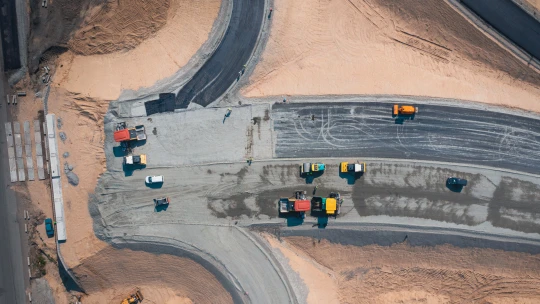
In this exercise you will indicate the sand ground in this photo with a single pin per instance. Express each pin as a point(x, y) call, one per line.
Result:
point(104, 76)
point(112, 274)
point(405, 274)
point(387, 47)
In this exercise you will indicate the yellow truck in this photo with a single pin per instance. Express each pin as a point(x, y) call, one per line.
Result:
point(404, 110)
point(345, 167)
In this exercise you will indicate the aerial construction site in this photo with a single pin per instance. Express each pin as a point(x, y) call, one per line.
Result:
point(270, 151)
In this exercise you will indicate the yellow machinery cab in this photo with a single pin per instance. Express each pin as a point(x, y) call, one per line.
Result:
point(331, 205)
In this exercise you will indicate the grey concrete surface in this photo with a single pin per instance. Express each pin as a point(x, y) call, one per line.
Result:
point(222, 69)
point(12, 273)
point(437, 132)
point(194, 137)
point(41, 292)
point(213, 205)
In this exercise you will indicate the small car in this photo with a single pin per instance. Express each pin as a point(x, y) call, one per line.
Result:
point(154, 179)
point(49, 228)
point(456, 181)
point(161, 201)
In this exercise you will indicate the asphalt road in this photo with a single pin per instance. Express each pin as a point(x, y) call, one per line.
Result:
point(511, 21)
point(12, 283)
point(221, 70)
point(437, 133)
point(8, 34)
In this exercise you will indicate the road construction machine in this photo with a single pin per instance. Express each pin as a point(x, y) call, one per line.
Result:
point(135, 159)
point(123, 133)
point(298, 204)
point(329, 205)
point(345, 167)
point(404, 110)
point(310, 168)
point(162, 201)
point(135, 297)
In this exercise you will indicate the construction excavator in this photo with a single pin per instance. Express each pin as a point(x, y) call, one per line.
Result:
point(135, 298)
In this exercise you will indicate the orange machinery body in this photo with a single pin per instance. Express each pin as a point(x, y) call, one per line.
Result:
point(404, 110)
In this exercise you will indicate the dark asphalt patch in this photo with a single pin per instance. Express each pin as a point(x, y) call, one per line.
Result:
point(511, 21)
point(165, 103)
point(9, 35)
point(438, 133)
point(383, 235)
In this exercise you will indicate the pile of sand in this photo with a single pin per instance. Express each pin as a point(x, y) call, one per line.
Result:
point(112, 274)
point(387, 47)
point(119, 26)
point(405, 274)
point(188, 24)
point(82, 122)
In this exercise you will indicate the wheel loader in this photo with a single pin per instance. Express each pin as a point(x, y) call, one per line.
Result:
point(135, 298)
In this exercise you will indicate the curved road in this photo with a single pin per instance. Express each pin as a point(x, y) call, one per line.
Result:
point(437, 133)
point(511, 21)
point(221, 70)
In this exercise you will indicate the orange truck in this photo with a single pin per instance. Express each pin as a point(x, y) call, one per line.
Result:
point(404, 110)
point(123, 133)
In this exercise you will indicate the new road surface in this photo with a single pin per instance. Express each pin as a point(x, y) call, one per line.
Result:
point(511, 21)
point(12, 284)
point(223, 68)
point(436, 133)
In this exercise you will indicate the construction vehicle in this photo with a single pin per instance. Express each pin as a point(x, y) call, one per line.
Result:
point(345, 167)
point(310, 168)
point(162, 201)
point(404, 110)
point(135, 298)
point(297, 204)
point(135, 159)
point(330, 205)
point(123, 133)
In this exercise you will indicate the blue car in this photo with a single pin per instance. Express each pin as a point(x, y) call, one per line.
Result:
point(49, 228)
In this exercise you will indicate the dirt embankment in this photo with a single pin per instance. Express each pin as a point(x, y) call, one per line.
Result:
point(387, 47)
point(121, 56)
point(405, 274)
point(118, 26)
point(111, 274)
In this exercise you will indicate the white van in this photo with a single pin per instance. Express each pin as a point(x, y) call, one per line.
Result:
point(154, 179)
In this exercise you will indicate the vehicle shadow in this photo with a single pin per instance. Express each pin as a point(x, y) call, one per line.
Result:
point(161, 208)
point(129, 169)
point(455, 188)
point(351, 177)
point(309, 177)
point(293, 218)
point(118, 151)
point(154, 185)
point(322, 219)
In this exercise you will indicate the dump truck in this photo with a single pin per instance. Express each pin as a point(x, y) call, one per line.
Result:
point(345, 167)
point(329, 205)
point(310, 168)
point(123, 133)
point(297, 204)
point(135, 297)
point(135, 159)
point(404, 110)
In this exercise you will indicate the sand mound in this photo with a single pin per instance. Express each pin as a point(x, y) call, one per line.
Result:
point(104, 76)
point(119, 26)
point(112, 273)
point(387, 47)
point(439, 274)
